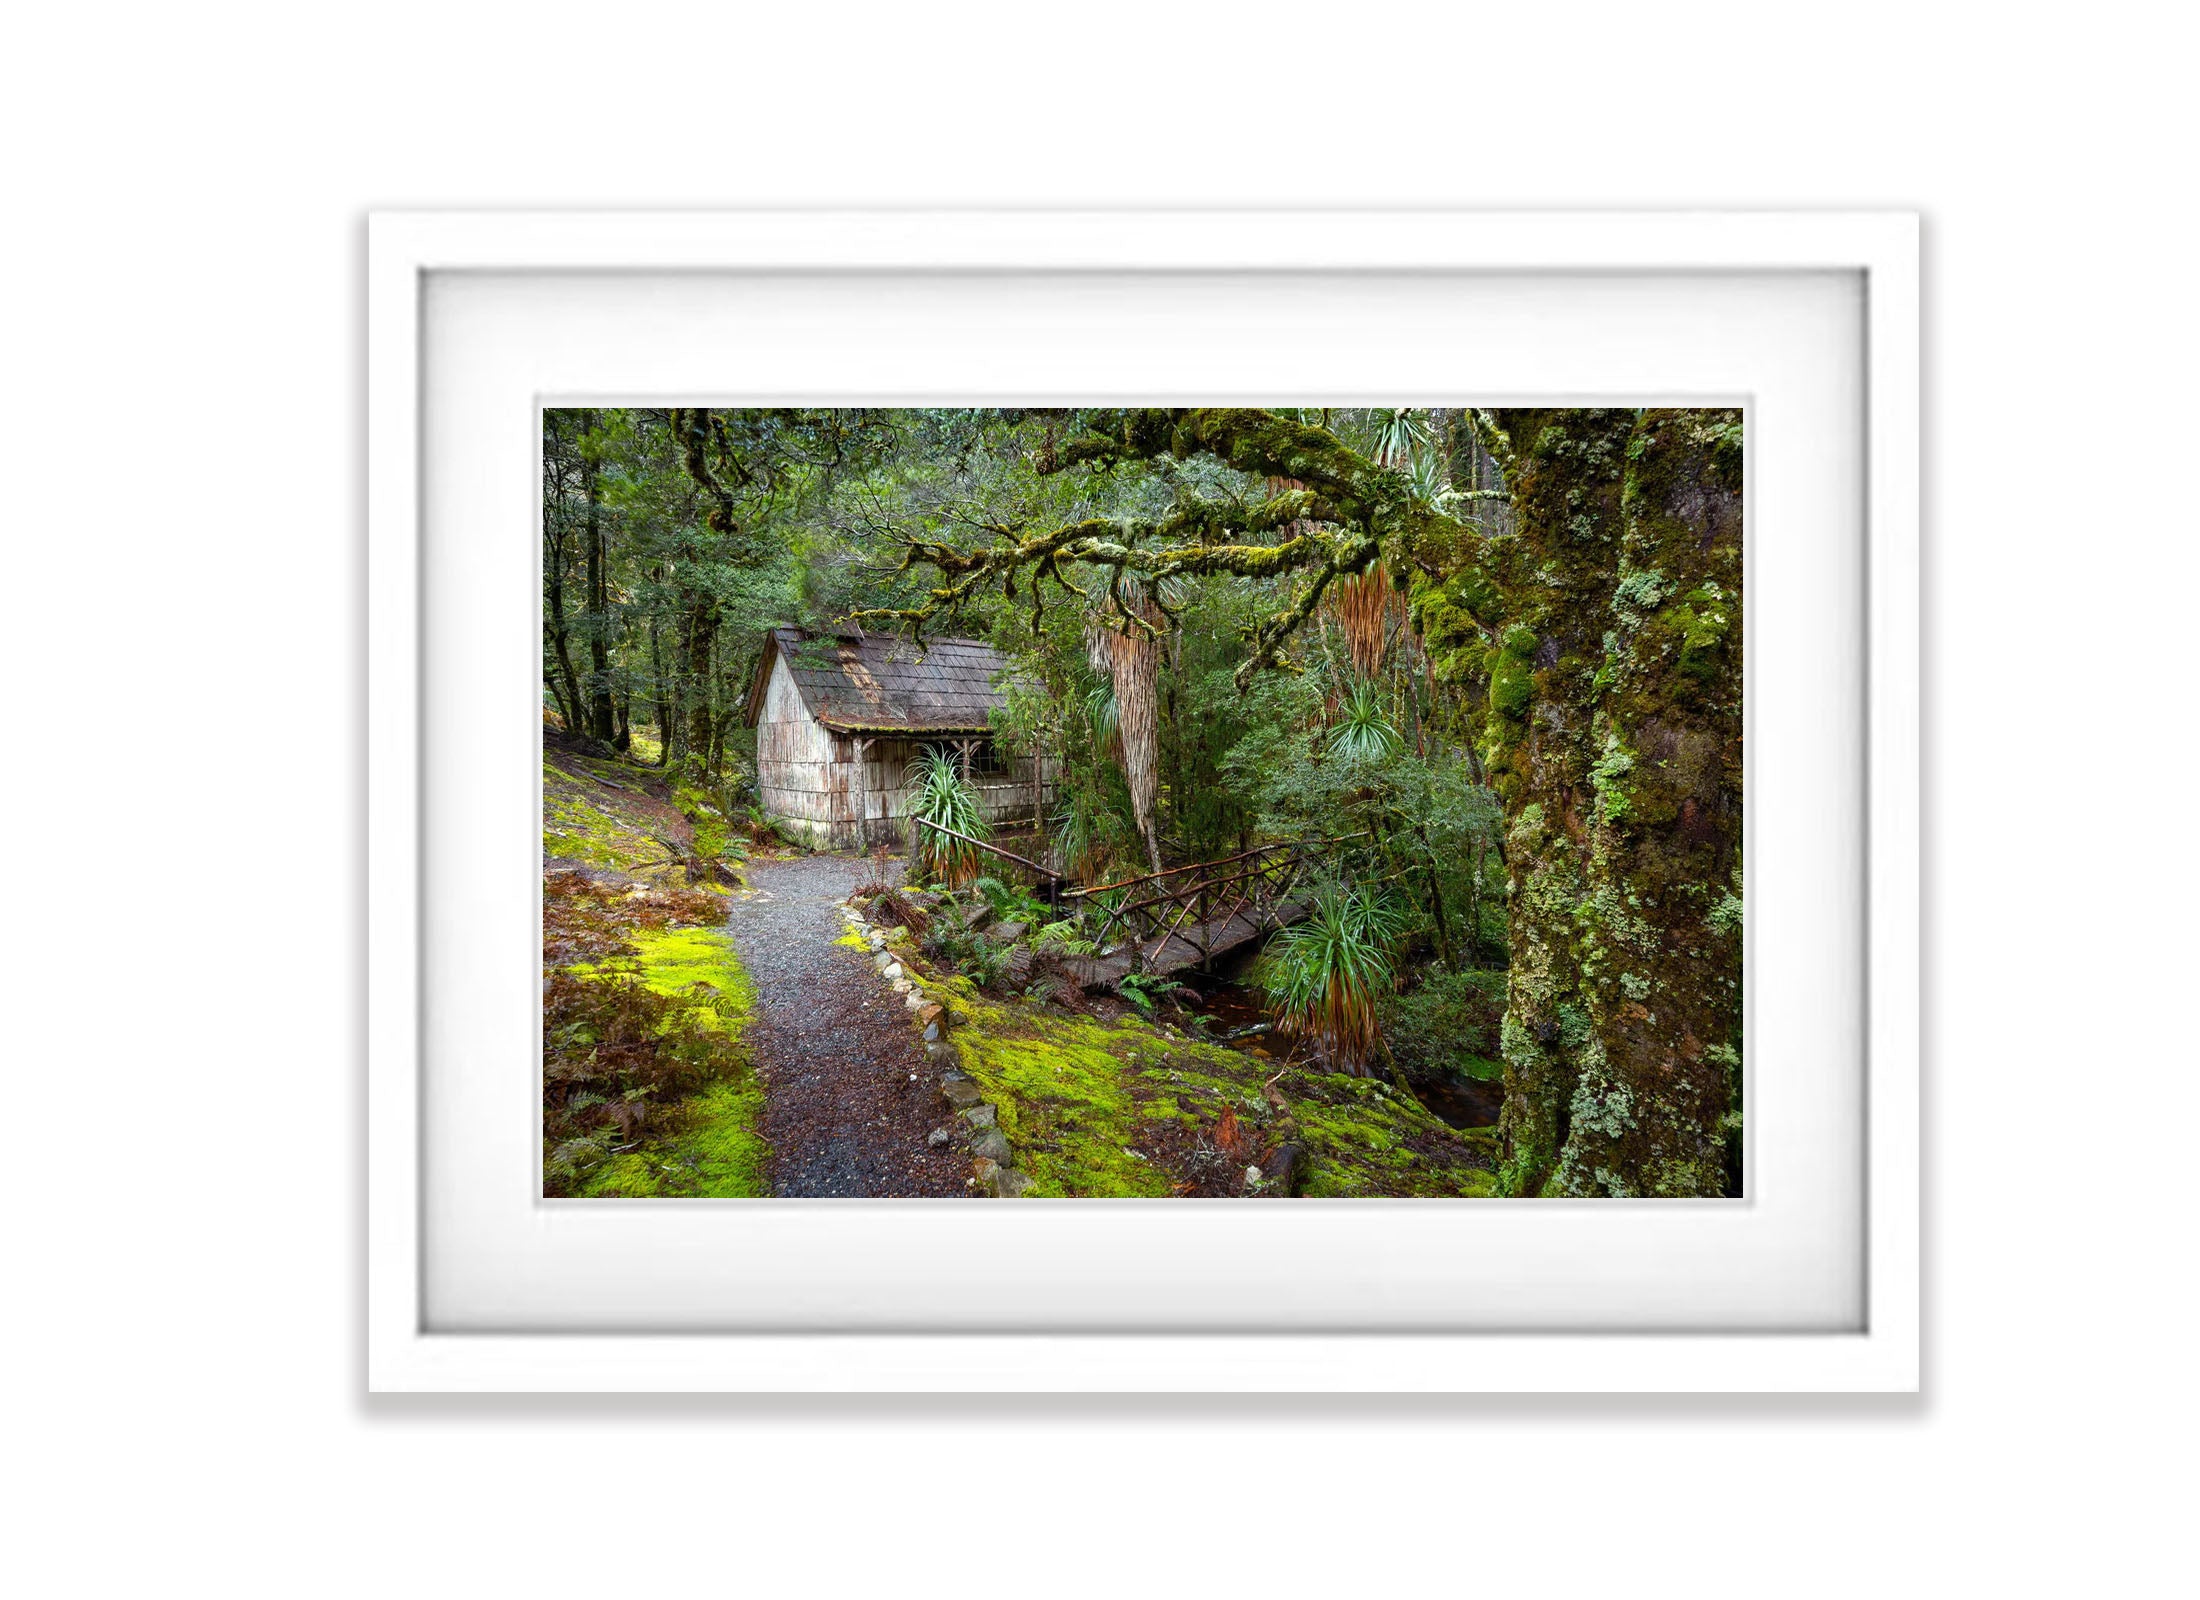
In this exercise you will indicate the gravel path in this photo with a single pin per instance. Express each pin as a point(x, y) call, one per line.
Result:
point(848, 1099)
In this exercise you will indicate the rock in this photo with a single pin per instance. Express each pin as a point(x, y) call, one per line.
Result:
point(1009, 1184)
point(1285, 1167)
point(961, 1093)
point(980, 915)
point(882, 961)
point(931, 1011)
point(985, 1171)
point(981, 1116)
point(931, 1033)
point(992, 1146)
point(937, 1137)
point(914, 1000)
point(1252, 1177)
point(579, 1154)
point(960, 1019)
point(901, 986)
point(892, 969)
point(935, 1051)
point(1009, 932)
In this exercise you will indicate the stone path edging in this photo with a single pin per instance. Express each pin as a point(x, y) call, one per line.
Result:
point(992, 1171)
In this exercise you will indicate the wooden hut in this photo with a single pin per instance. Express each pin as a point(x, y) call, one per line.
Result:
point(840, 720)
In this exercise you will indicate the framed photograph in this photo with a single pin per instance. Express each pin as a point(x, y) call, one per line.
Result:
point(1143, 801)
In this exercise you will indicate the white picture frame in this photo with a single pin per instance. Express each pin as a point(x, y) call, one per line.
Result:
point(407, 1351)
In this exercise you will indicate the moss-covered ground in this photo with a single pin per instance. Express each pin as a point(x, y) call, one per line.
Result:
point(608, 814)
point(1130, 1108)
point(649, 1089)
point(702, 1104)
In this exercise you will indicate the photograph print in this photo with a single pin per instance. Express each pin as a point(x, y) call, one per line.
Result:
point(1140, 803)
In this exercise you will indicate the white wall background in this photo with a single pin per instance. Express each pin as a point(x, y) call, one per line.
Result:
point(181, 398)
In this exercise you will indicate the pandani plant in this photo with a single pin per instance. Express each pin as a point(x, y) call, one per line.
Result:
point(939, 794)
point(1362, 731)
point(1393, 435)
point(1326, 976)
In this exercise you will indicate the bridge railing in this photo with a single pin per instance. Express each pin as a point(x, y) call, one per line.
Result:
point(1192, 901)
point(1195, 900)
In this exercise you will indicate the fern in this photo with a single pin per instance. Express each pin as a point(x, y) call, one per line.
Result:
point(1065, 938)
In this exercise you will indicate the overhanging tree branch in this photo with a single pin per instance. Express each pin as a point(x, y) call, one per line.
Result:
point(1344, 513)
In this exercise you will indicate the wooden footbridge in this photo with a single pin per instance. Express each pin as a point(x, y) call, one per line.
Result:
point(1164, 922)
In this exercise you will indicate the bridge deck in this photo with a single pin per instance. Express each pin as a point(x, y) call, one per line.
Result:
point(1186, 947)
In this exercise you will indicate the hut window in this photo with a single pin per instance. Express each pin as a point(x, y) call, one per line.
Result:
point(985, 760)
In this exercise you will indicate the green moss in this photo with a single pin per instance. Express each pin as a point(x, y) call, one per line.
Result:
point(628, 1176)
point(717, 1153)
point(853, 940)
point(712, 1146)
point(587, 819)
point(1512, 676)
point(1102, 1109)
point(723, 1152)
point(1371, 1139)
point(1702, 620)
point(1071, 1099)
point(673, 960)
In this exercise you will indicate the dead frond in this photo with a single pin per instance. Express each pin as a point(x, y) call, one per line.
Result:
point(1364, 606)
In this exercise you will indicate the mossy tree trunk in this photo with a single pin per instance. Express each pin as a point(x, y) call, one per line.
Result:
point(1613, 736)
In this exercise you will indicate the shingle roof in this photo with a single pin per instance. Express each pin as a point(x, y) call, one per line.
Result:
point(885, 684)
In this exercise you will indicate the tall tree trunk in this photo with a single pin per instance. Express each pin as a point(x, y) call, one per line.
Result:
point(1614, 739)
point(1436, 904)
point(701, 632)
point(567, 686)
point(557, 693)
point(601, 721)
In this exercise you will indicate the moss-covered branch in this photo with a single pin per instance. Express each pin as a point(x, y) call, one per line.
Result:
point(1341, 515)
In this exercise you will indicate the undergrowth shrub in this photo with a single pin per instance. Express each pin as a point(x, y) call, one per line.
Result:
point(1447, 1024)
point(613, 1045)
point(949, 939)
point(1011, 902)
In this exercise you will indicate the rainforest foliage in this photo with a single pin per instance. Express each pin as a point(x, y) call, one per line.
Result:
point(1487, 663)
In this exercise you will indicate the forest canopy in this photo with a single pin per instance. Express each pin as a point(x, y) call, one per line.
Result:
point(1487, 662)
